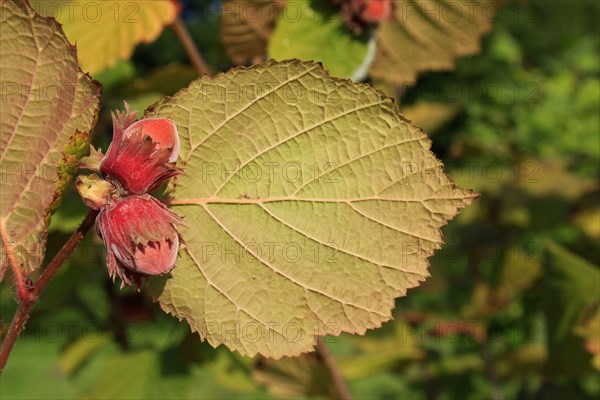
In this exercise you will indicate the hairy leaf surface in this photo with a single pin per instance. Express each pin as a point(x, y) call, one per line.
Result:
point(47, 111)
point(311, 203)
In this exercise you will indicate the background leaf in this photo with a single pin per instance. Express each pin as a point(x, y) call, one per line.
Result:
point(416, 39)
point(295, 376)
point(108, 31)
point(572, 284)
point(246, 26)
point(33, 362)
point(47, 114)
point(311, 205)
point(313, 30)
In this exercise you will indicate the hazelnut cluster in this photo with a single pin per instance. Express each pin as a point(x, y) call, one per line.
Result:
point(139, 232)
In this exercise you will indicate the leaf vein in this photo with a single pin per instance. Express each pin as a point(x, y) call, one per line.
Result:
point(251, 103)
point(224, 294)
point(290, 278)
point(337, 167)
point(390, 226)
point(348, 252)
point(321, 123)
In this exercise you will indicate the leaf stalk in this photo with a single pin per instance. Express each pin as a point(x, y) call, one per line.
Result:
point(188, 44)
point(29, 301)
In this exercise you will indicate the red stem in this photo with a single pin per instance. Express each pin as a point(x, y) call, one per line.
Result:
point(18, 275)
point(343, 393)
point(187, 42)
point(26, 304)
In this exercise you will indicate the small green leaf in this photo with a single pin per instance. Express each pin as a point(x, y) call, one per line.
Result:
point(319, 34)
point(126, 376)
point(572, 284)
point(304, 376)
point(311, 204)
point(33, 362)
point(78, 352)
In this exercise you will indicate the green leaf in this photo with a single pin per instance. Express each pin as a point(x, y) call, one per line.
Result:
point(48, 110)
point(167, 80)
point(521, 268)
point(311, 205)
point(246, 26)
point(571, 285)
point(380, 351)
point(127, 376)
point(304, 376)
point(33, 364)
point(108, 31)
point(78, 352)
point(313, 30)
point(430, 116)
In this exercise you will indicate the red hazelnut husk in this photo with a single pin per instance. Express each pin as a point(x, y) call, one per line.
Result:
point(139, 232)
point(359, 15)
point(141, 237)
point(142, 154)
point(373, 11)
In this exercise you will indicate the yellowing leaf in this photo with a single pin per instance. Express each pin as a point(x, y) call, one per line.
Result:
point(429, 36)
point(246, 26)
point(311, 203)
point(107, 31)
point(298, 377)
point(589, 221)
point(430, 116)
point(521, 268)
point(47, 111)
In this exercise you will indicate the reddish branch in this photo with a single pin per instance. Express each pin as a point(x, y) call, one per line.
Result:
point(190, 48)
point(18, 275)
point(30, 299)
point(343, 393)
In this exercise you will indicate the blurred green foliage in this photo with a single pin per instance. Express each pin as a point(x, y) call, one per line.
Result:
point(498, 317)
point(308, 38)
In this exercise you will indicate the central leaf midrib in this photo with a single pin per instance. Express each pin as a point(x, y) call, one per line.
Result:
point(208, 200)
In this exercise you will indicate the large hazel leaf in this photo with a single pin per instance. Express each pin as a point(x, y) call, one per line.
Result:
point(47, 111)
point(108, 31)
point(311, 204)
